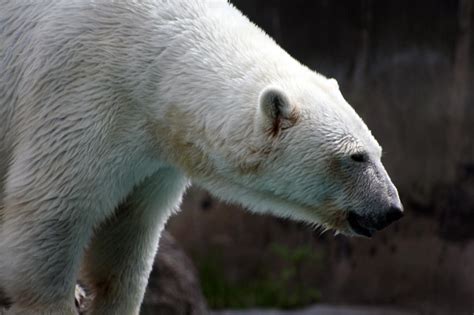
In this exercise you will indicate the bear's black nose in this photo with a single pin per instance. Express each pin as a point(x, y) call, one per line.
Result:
point(367, 224)
point(388, 216)
point(394, 213)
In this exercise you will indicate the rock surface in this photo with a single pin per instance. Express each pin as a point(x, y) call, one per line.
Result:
point(173, 288)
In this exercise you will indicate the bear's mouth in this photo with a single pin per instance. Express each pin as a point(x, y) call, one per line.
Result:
point(357, 226)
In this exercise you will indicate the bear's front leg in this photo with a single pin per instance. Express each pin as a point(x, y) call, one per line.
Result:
point(118, 263)
point(64, 179)
point(45, 227)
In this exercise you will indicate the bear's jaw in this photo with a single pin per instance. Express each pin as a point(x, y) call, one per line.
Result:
point(326, 216)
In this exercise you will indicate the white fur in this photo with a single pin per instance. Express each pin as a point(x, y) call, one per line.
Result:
point(109, 107)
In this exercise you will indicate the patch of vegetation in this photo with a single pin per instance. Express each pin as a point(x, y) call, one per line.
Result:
point(280, 288)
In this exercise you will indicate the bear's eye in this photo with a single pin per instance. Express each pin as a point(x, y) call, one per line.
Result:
point(360, 157)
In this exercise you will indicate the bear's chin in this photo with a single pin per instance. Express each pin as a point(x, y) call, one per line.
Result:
point(325, 217)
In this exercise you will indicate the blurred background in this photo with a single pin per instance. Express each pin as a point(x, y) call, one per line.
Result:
point(407, 68)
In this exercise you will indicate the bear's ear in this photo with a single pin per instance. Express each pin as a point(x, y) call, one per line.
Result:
point(277, 108)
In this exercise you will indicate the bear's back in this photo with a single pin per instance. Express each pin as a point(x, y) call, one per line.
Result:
point(50, 45)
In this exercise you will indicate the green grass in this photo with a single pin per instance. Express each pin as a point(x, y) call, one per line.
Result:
point(279, 289)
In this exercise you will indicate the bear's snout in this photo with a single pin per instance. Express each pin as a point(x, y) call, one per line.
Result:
point(368, 224)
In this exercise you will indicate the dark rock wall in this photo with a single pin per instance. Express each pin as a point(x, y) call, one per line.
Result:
point(407, 68)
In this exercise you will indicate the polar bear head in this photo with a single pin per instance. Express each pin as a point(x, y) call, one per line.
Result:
point(323, 160)
point(301, 152)
point(304, 154)
point(287, 144)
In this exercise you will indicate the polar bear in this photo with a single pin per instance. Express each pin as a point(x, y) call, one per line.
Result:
point(110, 108)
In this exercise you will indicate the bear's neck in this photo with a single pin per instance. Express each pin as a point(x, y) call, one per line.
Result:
point(213, 66)
point(207, 71)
